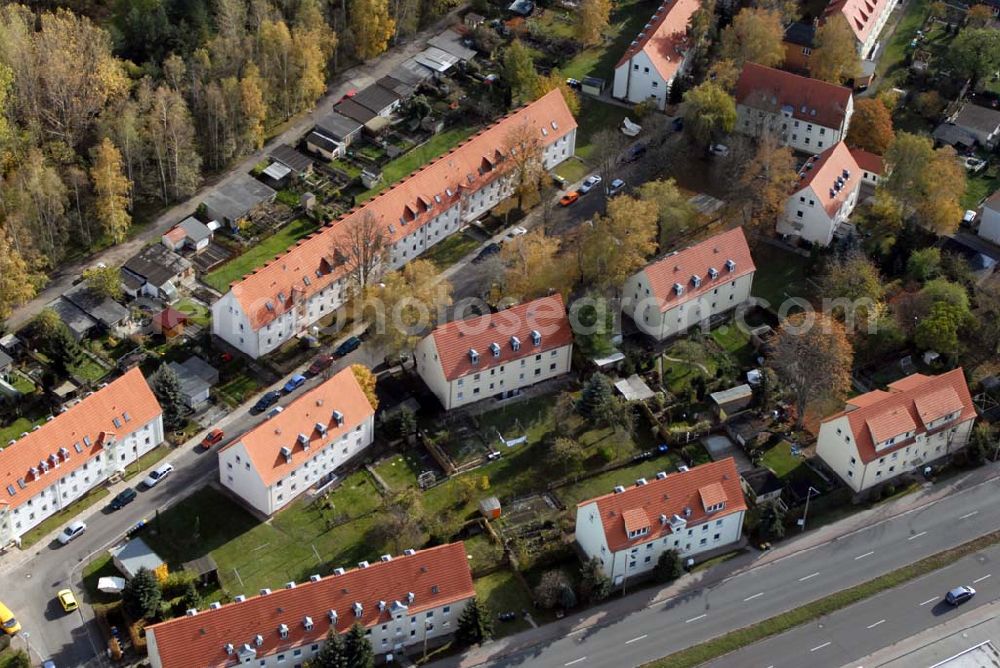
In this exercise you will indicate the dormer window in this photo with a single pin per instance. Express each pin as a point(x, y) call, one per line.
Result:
point(473, 356)
point(713, 272)
point(308, 623)
point(338, 418)
point(715, 507)
point(515, 343)
point(536, 337)
point(641, 531)
point(358, 609)
point(287, 454)
point(696, 281)
point(495, 349)
point(678, 289)
point(283, 631)
point(730, 265)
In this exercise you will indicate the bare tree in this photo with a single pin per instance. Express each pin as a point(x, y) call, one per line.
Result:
point(610, 143)
point(361, 246)
point(523, 159)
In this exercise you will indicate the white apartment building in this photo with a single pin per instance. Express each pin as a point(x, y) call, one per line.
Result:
point(401, 601)
point(866, 19)
point(497, 354)
point(657, 56)
point(806, 114)
point(824, 198)
point(692, 512)
point(883, 434)
point(989, 223)
point(690, 286)
point(300, 448)
point(59, 461)
point(268, 307)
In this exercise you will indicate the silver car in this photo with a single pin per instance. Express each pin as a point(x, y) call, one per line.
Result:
point(71, 532)
point(157, 474)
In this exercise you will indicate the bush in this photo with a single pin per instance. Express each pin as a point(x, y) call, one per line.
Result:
point(669, 566)
point(554, 589)
point(176, 584)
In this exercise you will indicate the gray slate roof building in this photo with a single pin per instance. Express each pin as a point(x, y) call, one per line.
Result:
point(410, 71)
point(946, 133)
point(354, 111)
point(399, 88)
point(801, 34)
point(195, 230)
point(321, 141)
point(103, 309)
point(233, 200)
point(6, 361)
point(289, 157)
point(451, 42)
point(196, 378)
point(338, 127)
point(976, 118)
point(157, 265)
point(79, 323)
point(436, 60)
point(133, 555)
point(378, 99)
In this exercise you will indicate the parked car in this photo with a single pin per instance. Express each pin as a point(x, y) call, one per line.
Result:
point(678, 124)
point(348, 346)
point(720, 150)
point(72, 532)
point(320, 364)
point(294, 383)
point(574, 83)
point(617, 186)
point(123, 498)
point(491, 249)
point(959, 595)
point(569, 198)
point(8, 622)
point(157, 474)
point(266, 400)
point(213, 437)
point(635, 152)
point(590, 183)
point(67, 600)
point(274, 411)
point(515, 232)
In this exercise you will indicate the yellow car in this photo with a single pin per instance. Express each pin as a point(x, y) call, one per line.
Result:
point(67, 600)
point(8, 623)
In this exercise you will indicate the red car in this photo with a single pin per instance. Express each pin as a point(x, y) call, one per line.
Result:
point(319, 365)
point(213, 437)
point(349, 94)
point(569, 198)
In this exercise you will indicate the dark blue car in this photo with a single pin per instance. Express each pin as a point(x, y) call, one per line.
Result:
point(265, 402)
point(348, 346)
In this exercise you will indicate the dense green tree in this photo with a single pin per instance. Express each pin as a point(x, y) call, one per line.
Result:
point(518, 69)
point(669, 566)
point(54, 340)
point(357, 649)
point(708, 111)
point(141, 595)
point(924, 264)
point(597, 391)
point(475, 626)
point(167, 388)
point(975, 53)
point(331, 655)
point(938, 330)
point(595, 586)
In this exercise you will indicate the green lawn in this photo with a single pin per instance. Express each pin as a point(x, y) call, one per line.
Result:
point(63, 516)
point(553, 23)
point(195, 311)
point(19, 426)
point(451, 250)
point(88, 369)
point(257, 256)
point(99, 568)
point(504, 592)
point(605, 483)
point(483, 551)
point(627, 19)
point(981, 186)
point(21, 383)
point(780, 274)
point(593, 117)
point(400, 471)
point(349, 168)
point(238, 389)
point(895, 50)
point(403, 166)
point(781, 460)
point(572, 170)
point(735, 341)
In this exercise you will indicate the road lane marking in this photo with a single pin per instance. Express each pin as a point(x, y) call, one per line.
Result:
point(809, 576)
point(871, 626)
point(968, 515)
point(694, 619)
point(917, 535)
point(821, 646)
point(930, 600)
point(574, 661)
point(750, 598)
point(866, 554)
point(982, 578)
point(629, 642)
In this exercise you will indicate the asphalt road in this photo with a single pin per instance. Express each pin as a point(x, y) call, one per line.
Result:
point(29, 589)
point(847, 636)
point(699, 613)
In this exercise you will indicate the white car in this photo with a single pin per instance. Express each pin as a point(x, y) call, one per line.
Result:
point(719, 149)
point(589, 184)
point(616, 187)
point(515, 232)
point(157, 474)
point(74, 530)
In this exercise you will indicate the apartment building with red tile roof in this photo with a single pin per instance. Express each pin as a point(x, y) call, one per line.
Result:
point(693, 511)
point(401, 601)
point(657, 56)
point(59, 461)
point(806, 114)
point(496, 354)
point(872, 166)
point(824, 197)
point(268, 307)
point(690, 286)
point(883, 434)
point(299, 448)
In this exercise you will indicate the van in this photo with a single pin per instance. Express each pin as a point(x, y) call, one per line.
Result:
point(7, 621)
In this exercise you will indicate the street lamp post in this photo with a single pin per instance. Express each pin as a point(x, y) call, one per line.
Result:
point(805, 512)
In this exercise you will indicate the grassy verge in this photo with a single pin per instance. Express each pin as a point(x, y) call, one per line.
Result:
point(780, 274)
point(895, 50)
point(257, 256)
point(503, 592)
point(63, 516)
point(734, 640)
point(572, 170)
point(593, 117)
point(980, 186)
point(451, 250)
point(19, 426)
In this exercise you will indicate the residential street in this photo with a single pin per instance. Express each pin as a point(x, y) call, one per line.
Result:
point(651, 624)
point(39, 572)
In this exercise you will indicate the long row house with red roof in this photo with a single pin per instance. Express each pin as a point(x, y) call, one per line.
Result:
point(59, 461)
point(270, 306)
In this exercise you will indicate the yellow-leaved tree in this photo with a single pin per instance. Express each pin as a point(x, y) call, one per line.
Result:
point(616, 245)
point(371, 27)
point(366, 379)
point(111, 188)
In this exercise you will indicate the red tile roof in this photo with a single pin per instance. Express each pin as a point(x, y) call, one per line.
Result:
point(264, 443)
point(664, 38)
point(437, 576)
point(176, 234)
point(861, 15)
point(681, 266)
point(169, 318)
point(868, 161)
point(809, 100)
point(909, 405)
point(310, 266)
point(673, 495)
point(822, 171)
point(454, 340)
point(123, 406)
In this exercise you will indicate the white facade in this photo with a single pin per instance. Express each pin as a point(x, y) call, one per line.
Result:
point(638, 80)
point(835, 446)
point(63, 489)
point(237, 473)
point(799, 135)
point(806, 217)
point(689, 540)
point(230, 323)
point(989, 222)
point(645, 309)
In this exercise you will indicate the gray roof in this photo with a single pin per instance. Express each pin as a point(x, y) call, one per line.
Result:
point(400, 88)
point(135, 554)
point(435, 59)
point(451, 42)
point(762, 481)
point(801, 34)
point(291, 158)
point(355, 111)
point(977, 118)
point(337, 126)
point(77, 320)
point(157, 265)
point(410, 71)
point(195, 375)
point(732, 394)
point(5, 360)
point(634, 388)
point(376, 98)
point(103, 309)
point(235, 199)
point(194, 229)
point(322, 141)
point(947, 133)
